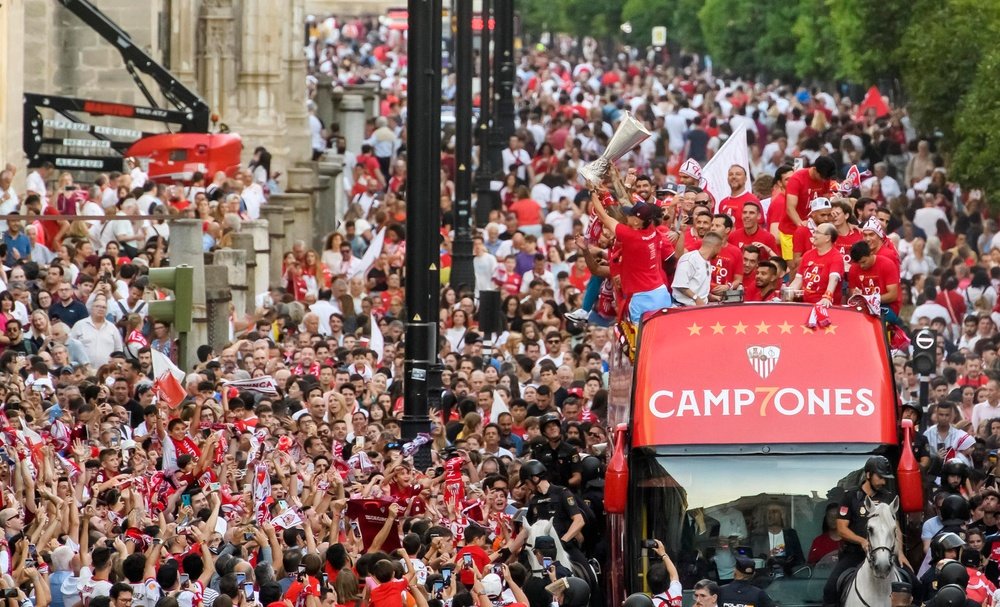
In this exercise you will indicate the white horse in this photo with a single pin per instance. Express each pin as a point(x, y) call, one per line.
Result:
point(872, 584)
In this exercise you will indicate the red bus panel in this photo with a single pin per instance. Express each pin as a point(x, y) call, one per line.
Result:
point(755, 374)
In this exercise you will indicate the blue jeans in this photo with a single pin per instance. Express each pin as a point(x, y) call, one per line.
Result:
point(648, 301)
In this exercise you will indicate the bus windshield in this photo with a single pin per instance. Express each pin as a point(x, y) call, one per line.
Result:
point(776, 509)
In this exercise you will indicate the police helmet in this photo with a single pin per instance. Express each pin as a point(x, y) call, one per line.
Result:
point(955, 508)
point(638, 600)
point(948, 596)
point(879, 464)
point(532, 468)
point(945, 541)
point(548, 418)
point(591, 468)
point(954, 467)
point(577, 594)
point(952, 572)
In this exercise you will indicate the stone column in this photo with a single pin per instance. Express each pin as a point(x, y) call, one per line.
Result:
point(184, 40)
point(324, 100)
point(234, 261)
point(298, 209)
point(294, 73)
point(217, 57)
point(218, 298)
point(186, 249)
point(243, 241)
point(262, 254)
point(352, 120)
point(329, 211)
point(275, 216)
point(371, 100)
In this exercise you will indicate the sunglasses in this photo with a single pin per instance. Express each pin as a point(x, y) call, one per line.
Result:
point(595, 434)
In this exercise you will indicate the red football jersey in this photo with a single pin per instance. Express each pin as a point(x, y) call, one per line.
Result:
point(727, 265)
point(816, 270)
point(803, 186)
point(733, 206)
point(876, 279)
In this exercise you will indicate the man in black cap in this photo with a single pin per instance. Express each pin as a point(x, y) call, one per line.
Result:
point(852, 523)
point(902, 595)
point(921, 450)
point(740, 592)
point(544, 549)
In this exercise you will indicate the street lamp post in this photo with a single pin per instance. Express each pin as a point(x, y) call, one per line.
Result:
point(423, 190)
point(486, 200)
point(504, 66)
point(462, 273)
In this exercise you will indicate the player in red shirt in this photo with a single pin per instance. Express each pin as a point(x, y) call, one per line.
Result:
point(874, 275)
point(751, 257)
point(767, 282)
point(753, 233)
point(776, 210)
point(732, 205)
point(847, 233)
point(803, 186)
point(874, 235)
point(641, 256)
point(819, 213)
point(693, 235)
point(821, 270)
point(727, 266)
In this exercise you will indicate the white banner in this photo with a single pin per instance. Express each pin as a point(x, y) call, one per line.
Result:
point(716, 171)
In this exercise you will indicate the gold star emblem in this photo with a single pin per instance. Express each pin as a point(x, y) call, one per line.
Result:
point(806, 330)
point(785, 328)
point(740, 328)
point(694, 329)
point(762, 328)
point(831, 330)
point(718, 328)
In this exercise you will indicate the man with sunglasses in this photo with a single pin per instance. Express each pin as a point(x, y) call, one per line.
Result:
point(553, 349)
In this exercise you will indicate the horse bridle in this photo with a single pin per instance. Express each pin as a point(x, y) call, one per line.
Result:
point(870, 557)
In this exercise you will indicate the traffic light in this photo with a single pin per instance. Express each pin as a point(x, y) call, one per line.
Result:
point(924, 352)
point(177, 311)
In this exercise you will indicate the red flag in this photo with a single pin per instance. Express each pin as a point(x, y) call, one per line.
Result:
point(872, 101)
point(169, 390)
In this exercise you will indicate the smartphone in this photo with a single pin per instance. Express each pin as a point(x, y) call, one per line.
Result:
point(157, 541)
point(115, 441)
point(215, 486)
point(437, 588)
point(185, 579)
point(446, 575)
point(356, 527)
point(546, 563)
point(32, 551)
point(248, 590)
point(240, 578)
point(798, 163)
point(649, 544)
point(247, 536)
point(186, 500)
point(11, 593)
point(467, 561)
point(993, 456)
point(359, 442)
point(283, 505)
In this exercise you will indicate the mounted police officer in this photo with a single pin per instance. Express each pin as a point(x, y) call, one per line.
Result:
point(852, 523)
point(559, 458)
point(554, 503)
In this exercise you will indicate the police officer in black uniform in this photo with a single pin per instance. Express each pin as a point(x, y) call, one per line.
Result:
point(559, 458)
point(740, 592)
point(592, 496)
point(554, 503)
point(852, 523)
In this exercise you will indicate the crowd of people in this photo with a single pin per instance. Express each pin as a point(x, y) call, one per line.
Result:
point(280, 476)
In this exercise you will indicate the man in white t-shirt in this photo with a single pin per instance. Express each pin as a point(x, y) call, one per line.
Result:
point(989, 408)
point(252, 196)
point(515, 156)
point(36, 179)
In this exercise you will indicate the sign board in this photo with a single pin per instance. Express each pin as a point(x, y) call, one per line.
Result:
point(756, 374)
point(659, 36)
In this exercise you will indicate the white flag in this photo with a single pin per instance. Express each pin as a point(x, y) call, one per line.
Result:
point(376, 343)
point(498, 407)
point(374, 250)
point(716, 171)
point(162, 364)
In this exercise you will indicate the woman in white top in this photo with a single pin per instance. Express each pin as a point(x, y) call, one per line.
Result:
point(455, 334)
point(917, 262)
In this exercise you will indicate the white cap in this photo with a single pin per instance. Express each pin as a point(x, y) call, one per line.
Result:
point(492, 586)
point(820, 204)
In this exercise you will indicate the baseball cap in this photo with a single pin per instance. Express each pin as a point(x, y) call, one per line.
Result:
point(8, 513)
point(492, 586)
point(642, 210)
point(745, 565)
point(820, 204)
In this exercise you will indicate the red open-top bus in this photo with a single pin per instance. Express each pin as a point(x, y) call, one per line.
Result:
point(734, 414)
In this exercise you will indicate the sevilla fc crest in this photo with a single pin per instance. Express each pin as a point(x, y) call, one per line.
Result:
point(763, 359)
